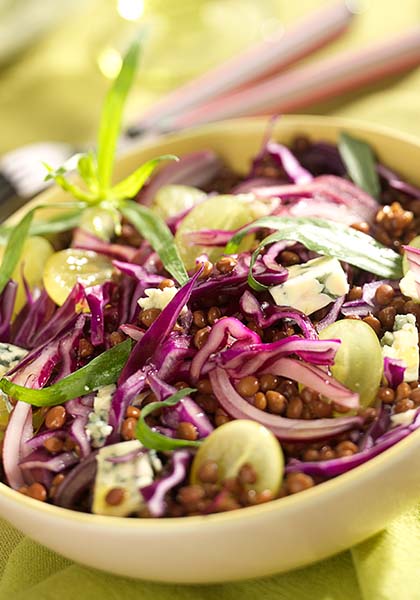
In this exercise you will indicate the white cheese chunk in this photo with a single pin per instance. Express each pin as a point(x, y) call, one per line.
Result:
point(312, 285)
point(403, 343)
point(408, 286)
point(97, 428)
point(10, 355)
point(129, 475)
point(156, 298)
point(403, 418)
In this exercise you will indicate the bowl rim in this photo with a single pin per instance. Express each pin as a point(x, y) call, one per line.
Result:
point(411, 440)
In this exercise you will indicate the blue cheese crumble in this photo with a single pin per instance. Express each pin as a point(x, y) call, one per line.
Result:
point(10, 355)
point(129, 475)
point(97, 428)
point(403, 343)
point(312, 285)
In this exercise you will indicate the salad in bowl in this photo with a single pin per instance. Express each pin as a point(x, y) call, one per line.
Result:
point(199, 339)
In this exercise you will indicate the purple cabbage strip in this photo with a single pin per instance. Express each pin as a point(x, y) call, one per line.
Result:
point(38, 440)
point(98, 296)
point(62, 317)
point(358, 308)
point(332, 314)
point(78, 481)
point(377, 428)
point(321, 158)
point(222, 331)
point(185, 411)
point(42, 459)
point(125, 393)
point(85, 240)
point(337, 466)
point(171, 354)
point(236, 282)
point(288, 162)
point(395, 182)
point(154, 494)
point(68, 346)
point(266, 317)
point(7, 304)
point(255, 356)
point(32, 319)
point(255, 182)
point(159, 330)
point(195, 169)
point(78, 433)
point(394, 370)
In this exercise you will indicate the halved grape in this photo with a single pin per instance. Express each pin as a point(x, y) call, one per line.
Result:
point(218, 212)
point(36, 251)
point(243, 442)
point(99, 222)
point(359, 362)
point(170, 200)
point(63, 269)
point(415, 242)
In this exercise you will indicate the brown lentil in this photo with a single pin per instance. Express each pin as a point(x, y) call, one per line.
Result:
point(190, 494)
point(260, 401)
point(201, 337)
point(386, 395)
point(387, 317)
point(297, 482)
point(362, 226)
point(226, 264)
point(321, 409)
point(415, 395)
point(132, 411)
point(288, 388)
point(221, 418)
point(346, 448)
point(294, 408)
point(58, 479)
point(128, 429)
point(209, 472)
point(116, 337)
point(403, 390)
point(148, 316)
point(207, 269)
point(207, 402)
point(204, 386)
point(310, 455)
point(288, 258)
point(186, 431)
point(247, 386)
point(384, 294)
point(54, 445)
point(115, 496)
point(213, 315)
point(264, 496)
point(199, 319)
point(403, 405)
point(247, 474)
point(355, 293)
point(180, 385)
point(166, 283)
point(268, 382)
point(85, 348)
point(55, 417)
point(69, 444)
point(37, 491)
point(276, 402)
point(374, 323)
point(326, 453)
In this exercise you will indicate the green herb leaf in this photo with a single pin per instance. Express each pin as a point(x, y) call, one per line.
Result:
point(127, 188)
point(58, 176)
point(112, 115)
point(327, 238)
point(102, 370)
point(360, 163)
point(14, 249)
point(157, 233)
point(56, 225)
point(86, 167)
point(155, 440)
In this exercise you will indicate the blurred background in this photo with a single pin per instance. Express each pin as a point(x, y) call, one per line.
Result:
point(57, 58)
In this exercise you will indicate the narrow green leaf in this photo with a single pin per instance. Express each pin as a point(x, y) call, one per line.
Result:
point(86, 167)
point(102, 370)
point(327, 238)
point(112, 114)
point(14, 248)
point(73, 189)
point(157, 233)
point(360, 163)
point(129, 187)
point(155, 440)
point(58, 224)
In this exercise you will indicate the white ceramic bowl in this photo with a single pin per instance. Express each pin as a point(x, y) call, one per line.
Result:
point(255, 541)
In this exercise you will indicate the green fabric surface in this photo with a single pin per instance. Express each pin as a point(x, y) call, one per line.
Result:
point(53, 92)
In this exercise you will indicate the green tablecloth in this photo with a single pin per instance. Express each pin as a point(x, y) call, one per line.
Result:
point(48, 94)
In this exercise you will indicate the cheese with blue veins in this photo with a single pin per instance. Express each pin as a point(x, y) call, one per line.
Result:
point(97, 428)
point(312, 285)
point(10, 355)
point(128, 475)
point(403, 343)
